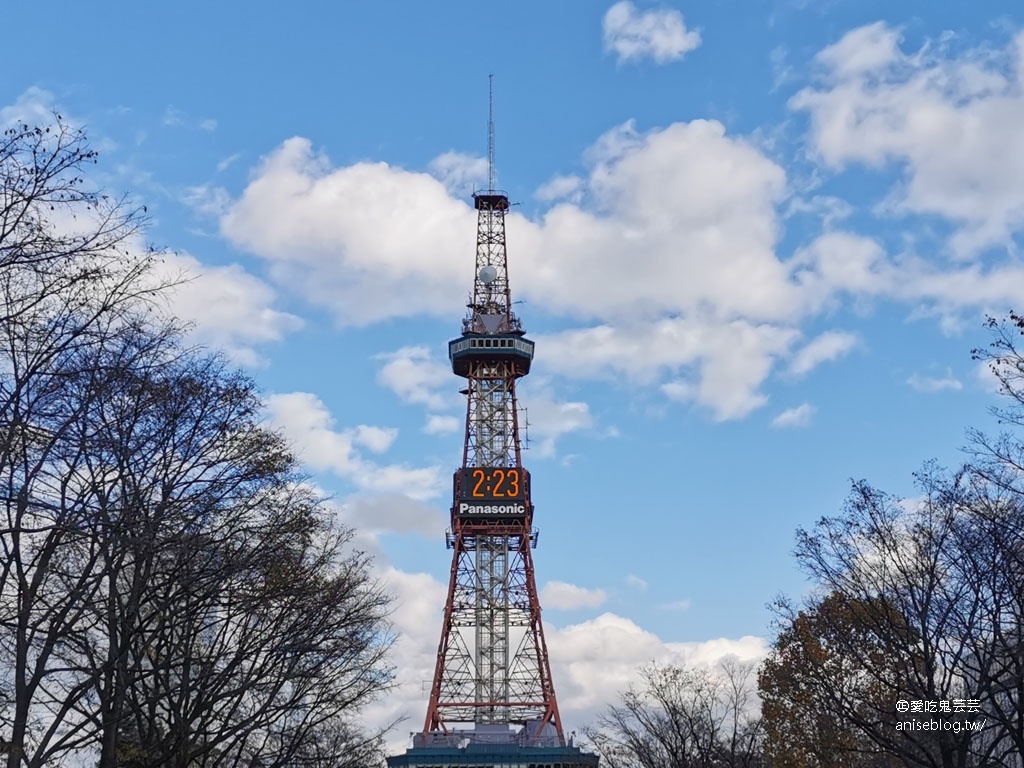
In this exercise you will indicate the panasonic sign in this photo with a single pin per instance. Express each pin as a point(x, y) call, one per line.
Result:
point(491, 509)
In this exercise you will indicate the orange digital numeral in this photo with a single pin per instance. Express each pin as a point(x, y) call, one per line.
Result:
point(500, 474)
point(513, 481)
point(479, 474)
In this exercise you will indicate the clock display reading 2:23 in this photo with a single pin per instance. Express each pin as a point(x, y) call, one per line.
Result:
point(494, 484)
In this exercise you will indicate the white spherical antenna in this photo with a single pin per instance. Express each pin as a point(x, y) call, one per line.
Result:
point(488, 275)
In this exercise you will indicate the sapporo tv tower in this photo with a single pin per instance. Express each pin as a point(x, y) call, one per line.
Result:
point(492, 701)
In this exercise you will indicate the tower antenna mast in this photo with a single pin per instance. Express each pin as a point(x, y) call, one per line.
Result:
point(490, 134)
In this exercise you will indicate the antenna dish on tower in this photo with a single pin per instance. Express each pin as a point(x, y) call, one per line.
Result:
point(488, 274)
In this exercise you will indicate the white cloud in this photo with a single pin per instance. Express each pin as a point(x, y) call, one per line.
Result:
point(660, 35)
point(636, 582)
point(460, 173)
point(934, 384)
point(562, 596)
point(392, 513)
point(550, 419)
point(950, 123)
point(970, 286)
point(207, 200)
point(309, 426)
point(822, 349)
point(685, 219)
point(987, 378)
point(596, 660)
point(438, 424)
point(561, 188)
point(232, 310)
point(862, 50)
point(413, 375)
point(795, 417)
point(416, 618)
point(374, 439)
point(33, 107)
point(676, 605)
point(828, 209)
point(782, 71)
point(228, 161)
point(731, 360)
point(685, 224)
point(174, 117)
point(368, 241)
point(842, 262)
point(671, 268)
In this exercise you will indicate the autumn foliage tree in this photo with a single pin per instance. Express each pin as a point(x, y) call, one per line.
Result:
point(814, 695)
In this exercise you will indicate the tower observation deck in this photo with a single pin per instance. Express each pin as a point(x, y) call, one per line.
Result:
point(492, 698)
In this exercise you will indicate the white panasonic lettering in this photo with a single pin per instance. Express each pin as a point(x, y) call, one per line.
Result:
point(491, 509)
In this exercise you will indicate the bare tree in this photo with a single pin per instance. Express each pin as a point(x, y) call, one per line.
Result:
point(907, 596)
point(923, 604)
point(683, 718)
point(923, 600)
point(65, 247)
point(995, 553)
point(992, 557)
point(71, 287)
point(233, 623)
point(171, 592)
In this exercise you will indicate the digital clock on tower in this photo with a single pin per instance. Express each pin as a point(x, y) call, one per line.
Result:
point(484, 484)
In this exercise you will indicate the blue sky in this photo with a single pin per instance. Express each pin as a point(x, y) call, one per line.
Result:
point(755, 243)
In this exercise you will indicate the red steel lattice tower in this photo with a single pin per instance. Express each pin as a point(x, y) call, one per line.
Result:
point(492, 669)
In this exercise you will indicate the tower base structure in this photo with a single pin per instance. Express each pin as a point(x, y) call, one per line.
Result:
point(491, 746)
point(493, 756)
